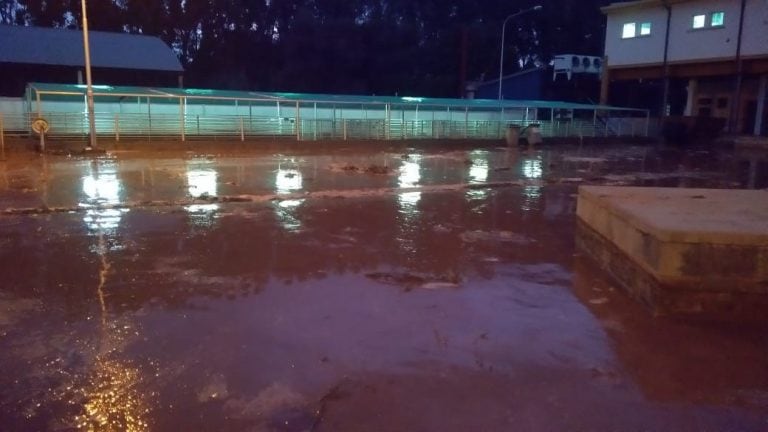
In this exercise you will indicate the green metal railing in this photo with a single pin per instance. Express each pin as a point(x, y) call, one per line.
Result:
point(170, 126)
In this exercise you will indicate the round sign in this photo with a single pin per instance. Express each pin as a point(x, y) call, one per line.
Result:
point(40, 125)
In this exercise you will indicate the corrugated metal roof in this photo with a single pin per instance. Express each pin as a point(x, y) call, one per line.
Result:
point(336, 99)
point(64, 47)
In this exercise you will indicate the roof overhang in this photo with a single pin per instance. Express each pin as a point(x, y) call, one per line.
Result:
point(638, 4)
point(306, 98)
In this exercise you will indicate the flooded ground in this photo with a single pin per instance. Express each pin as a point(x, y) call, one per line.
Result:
point(356, 290)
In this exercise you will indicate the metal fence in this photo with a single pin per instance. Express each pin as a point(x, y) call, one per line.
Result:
point(166, 126)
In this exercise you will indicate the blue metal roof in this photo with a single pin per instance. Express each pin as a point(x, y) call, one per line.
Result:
point(336, 99)
point(64, 47)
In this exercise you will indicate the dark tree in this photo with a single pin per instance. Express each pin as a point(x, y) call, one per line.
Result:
point(423, 47)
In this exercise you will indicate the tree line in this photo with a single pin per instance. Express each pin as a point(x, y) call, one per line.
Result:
point(424, 47)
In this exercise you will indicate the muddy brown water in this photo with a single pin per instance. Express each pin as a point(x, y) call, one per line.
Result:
point(439, 291)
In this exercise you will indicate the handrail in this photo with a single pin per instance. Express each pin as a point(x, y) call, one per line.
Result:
point(195, 126)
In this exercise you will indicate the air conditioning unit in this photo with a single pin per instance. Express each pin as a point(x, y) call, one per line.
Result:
point(569, 64)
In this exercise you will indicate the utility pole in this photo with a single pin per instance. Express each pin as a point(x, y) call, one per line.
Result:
point(503, 36)
point(88, 82)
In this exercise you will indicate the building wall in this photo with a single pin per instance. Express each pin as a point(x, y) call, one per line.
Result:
point(639, 50)
point(524, 86)
point(687, 44)
point(756, 26)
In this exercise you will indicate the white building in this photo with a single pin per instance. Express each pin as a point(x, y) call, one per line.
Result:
point(717, 49)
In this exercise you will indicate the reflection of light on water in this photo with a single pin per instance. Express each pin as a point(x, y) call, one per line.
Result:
point(478, 173)
point(531, 197)
point(409, 200)
point(103, 219)
point(288, 181)
point(409, 177)
point(202, 182)
point(290, 203)
point(532, 169)
point(113, 401)
point(202, 208)
point(102, 188)
point(410, 172)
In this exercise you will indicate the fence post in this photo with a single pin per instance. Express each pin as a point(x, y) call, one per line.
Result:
point(388, 122)
point(344, 128)
point(149, 116)
point(466, 122)
point(298, 121)
point(117, 127)
point(242, 131)
point(594, 123)
point(647, 122)
point(182, 116)
point(2, 138)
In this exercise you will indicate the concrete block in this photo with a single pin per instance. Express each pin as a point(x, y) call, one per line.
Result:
point(679, 250)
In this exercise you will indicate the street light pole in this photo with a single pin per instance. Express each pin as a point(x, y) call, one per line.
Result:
point(88, 83)
point(503, 34)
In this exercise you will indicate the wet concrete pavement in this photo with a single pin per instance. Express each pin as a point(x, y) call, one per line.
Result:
point(439, 291)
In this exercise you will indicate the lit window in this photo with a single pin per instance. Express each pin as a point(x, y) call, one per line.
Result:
point(718, 19)
point(645, 29)
point(628, 31)
point(699, 21)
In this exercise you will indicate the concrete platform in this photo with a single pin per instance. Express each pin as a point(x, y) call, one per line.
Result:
point(681, 250)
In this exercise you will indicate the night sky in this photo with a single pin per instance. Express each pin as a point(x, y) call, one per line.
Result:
point(427, 47)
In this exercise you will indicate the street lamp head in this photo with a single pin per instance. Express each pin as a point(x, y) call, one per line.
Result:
point(503, 32)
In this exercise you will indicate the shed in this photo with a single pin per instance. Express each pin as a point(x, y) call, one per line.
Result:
point(56, 55)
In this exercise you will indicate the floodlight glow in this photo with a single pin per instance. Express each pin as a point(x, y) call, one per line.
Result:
point(97, 87)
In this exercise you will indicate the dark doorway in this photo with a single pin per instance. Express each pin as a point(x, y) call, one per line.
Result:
point(750, 115)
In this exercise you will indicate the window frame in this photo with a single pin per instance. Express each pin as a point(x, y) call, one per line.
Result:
point(624, 28)
point(703, 21)
point(643, 27)
point(712, 19)
point(637, 29)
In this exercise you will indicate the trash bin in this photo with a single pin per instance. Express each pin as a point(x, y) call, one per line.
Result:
point(513, 135)
point(533, 134)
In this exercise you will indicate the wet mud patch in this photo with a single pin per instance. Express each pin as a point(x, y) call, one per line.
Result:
point(277, 408)
point(412, 281)
point(510, 237)
point(371, 169)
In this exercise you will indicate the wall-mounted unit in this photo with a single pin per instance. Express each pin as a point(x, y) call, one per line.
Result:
point(569, 64)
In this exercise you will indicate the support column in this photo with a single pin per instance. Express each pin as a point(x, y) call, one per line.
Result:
point(466, 122)
point(762, 94)
point(149, 117)
point(182, 116)
point(314, 128)
point(693, 90)
point(388, 114)
point(298, 121)
point(605, 83)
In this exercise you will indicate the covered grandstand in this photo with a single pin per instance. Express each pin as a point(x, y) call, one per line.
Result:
point(141, 112)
